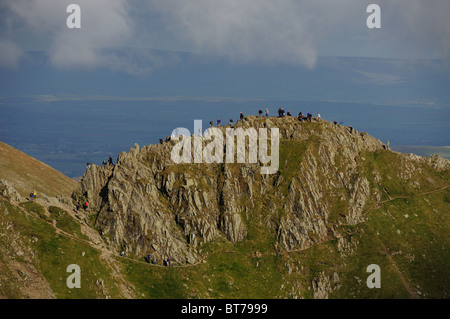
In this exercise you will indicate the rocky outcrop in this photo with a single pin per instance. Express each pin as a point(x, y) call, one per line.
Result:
point(436, 161)
point(323, 285)
point(8, 192)
point(145, 203)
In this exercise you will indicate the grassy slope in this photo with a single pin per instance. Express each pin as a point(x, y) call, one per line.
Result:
point(51, 251)
point(27, 174)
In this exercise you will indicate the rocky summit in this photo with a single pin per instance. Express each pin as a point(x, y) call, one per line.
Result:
point(339, 205)
point(146, 204)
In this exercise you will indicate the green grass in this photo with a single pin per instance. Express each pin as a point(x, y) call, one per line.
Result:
point(416, 244)
point(412, 230)
point(55, 252)
point(65, 222)
point(230, 272)
point(388, 164)
point(291, 155)
point(34, 207)
point(8, 287)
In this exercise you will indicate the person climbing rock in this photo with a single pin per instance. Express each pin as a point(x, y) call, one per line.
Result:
point(86, 206)
point(241, 116)
point(168, 261)
point(110, 161)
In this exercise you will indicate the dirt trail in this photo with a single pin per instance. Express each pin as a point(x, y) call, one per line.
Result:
point(412, 293)
point(406, 196)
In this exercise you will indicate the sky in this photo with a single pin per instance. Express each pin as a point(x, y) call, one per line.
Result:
point(123, 36)
point(138, 68)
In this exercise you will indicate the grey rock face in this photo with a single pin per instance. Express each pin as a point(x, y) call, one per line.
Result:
point(147, 204)
point(9, 192)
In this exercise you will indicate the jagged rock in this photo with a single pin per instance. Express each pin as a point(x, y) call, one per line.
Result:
point(347, 247)
point(9, 192)
point(321, 286)
point(436, 161)
point(147, 204)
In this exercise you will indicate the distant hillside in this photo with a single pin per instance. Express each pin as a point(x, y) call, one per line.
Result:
point(27, 174)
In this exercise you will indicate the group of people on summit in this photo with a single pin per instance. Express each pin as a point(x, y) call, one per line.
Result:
point(281, 113)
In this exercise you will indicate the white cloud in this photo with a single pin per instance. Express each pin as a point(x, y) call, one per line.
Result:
point(120, 34)
point(105, 26)
point(244, 31)
point(422, 26)
point(379, 78)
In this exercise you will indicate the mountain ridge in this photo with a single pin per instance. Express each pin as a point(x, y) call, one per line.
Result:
point(339, 202)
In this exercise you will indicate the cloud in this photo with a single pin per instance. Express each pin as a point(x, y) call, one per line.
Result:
point(122, 35)
point(297, 31)
point(423, 26)
point(106, 27)
point(244, 31)
point(209, 99)
point(378, 78)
